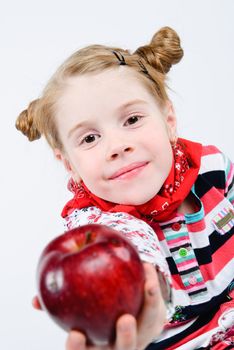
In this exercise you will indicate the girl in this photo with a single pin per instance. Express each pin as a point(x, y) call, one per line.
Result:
point(107, 117)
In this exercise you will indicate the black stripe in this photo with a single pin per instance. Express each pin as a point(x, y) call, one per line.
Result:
point(231, 184)
point(217, 178)
point(204, 255)
point(182, 222)
point(174, 271)
point(192, 269)
point(217, 240)
point(186, 245)
point(197, 291)
point(172, 266)
point(208, 180)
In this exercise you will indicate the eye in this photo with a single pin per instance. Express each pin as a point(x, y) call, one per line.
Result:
point(89, 138)
point(133, 120)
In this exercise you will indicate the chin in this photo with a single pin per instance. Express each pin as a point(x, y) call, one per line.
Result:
point(131, 198)
point(138, 201)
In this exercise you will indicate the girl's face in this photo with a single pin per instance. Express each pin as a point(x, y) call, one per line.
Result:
point(115, 136)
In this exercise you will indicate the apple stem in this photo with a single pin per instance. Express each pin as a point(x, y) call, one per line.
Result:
point(88, 236)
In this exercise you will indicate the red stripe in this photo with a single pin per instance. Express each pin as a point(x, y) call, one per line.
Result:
point(211, 199)
point(219, 260)
point(197, 226)
point(179, 243)
point(177, 282)
point(191, 263)
point(210, 149)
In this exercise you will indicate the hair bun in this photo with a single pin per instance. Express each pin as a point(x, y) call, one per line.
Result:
point(163, 51)
point(25, 122)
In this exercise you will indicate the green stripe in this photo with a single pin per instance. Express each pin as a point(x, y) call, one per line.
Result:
point(231, 198)
point(194, 217)
point(228, 168)
point(176, 235)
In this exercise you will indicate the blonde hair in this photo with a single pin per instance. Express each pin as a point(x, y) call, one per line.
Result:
point(152, 62)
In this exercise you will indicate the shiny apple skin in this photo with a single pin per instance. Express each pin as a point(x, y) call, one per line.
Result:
point(87, 278)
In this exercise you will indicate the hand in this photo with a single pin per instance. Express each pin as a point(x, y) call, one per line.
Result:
point(132, 334)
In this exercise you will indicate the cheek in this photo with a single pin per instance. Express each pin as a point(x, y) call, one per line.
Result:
point(88, 168)
point(159, 141)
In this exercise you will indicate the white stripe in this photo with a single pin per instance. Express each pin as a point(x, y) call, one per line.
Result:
point(165, 248)
point(183, 240)
point(212, 162)
point(180, 297)
point(200, 239)
point(201, 341)
point(222, 279)
point(168, 333)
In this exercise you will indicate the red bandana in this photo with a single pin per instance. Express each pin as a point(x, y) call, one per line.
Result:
point(184, 171)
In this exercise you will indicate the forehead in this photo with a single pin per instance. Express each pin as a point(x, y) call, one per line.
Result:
point(108, 89)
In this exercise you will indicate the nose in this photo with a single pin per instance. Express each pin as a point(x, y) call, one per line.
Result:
point(120, 151)
point(118, 148)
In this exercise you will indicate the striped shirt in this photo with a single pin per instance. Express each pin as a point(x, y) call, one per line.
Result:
point(195, 251)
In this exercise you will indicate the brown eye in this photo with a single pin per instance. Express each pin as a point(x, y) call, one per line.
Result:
point(89, 138)
point(133, 120)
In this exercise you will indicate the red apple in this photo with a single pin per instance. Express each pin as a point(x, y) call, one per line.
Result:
point(87, 278)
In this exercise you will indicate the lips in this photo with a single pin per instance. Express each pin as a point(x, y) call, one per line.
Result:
point(128, 170)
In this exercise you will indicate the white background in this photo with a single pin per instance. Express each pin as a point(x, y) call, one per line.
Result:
point(35, 37)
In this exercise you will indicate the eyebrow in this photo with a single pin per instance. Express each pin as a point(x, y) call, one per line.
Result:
point(122, 108)
point(130, 104)
point(76, 127)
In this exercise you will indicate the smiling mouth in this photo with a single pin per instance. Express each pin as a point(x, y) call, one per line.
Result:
point(128, 171)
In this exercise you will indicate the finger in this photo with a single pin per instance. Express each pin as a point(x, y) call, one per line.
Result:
point(36, 303)
point(126, 336)
point(154, 311)
point(75, 341)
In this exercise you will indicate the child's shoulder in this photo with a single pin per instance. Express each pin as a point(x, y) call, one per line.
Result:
point(213, 159)
point(216, 168)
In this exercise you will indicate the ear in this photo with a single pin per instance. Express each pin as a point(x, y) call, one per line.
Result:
point(67, 164)
point(171, 121)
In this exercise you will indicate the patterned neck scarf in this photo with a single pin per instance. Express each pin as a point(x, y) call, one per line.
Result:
point(183, 174)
